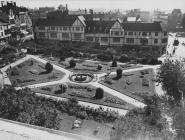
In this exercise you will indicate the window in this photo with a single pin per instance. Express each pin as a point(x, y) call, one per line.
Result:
point(64, 28)
point(125, 33)
point(1, 33)
point(165, 33)
point(89, 38)
point(65, 35)
point(116, 33)
point(130, 33)
point(135, 33)
point(111, 33)
point(52, 28)
point(164, 40)
point(116, 39)
point(130, 40)
point(41, 28)
point(82, 28)
point(149, 33)
point(144, 41)
point(96, 39)
point(61, 28)
point(139, 33)
point(41, 34)
point(77, 35)
point(77, 28)
point(156, 33)
point(53, 35)
point(155, 41)
point(121, 33)
point(104, 39)
point(144, 34)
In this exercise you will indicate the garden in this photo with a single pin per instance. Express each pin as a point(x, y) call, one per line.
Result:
point(86, 93)
point(33, 72)
point(90, 66)
point(137, 84)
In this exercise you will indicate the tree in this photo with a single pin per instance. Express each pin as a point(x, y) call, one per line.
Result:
point(63, 88)
point(142, 123)
point(171, 76)
point(72, 63)
point(99, 93)
point(114, 63)
point(124, 58)
point(48, 67)
point(183, 21)
point(119, 73)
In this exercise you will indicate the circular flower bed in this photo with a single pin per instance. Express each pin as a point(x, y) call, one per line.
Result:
point(81, 77)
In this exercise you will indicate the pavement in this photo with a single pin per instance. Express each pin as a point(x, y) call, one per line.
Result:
point(19, 131)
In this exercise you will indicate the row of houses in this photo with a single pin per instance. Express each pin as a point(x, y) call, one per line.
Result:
point(4, 31)
point(108, 33)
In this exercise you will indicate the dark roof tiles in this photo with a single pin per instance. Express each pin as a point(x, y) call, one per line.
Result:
point(139, 26)
point(98, 26)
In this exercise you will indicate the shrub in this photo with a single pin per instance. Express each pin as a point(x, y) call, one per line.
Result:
point(154, 61)
point(104, 57)
point(145, 82)
point(124, 58)
point(63, 88)
point(119, 73)
point(114, 63)
point(62, 58)
point(99, 67)
point(72, 63)
point(48, 67)
point(99, 93)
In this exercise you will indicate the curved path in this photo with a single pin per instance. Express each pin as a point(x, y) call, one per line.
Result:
point(93, 83)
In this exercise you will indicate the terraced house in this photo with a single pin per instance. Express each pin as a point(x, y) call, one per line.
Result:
point(4, 31)
point(65, 29)
point(108, 33)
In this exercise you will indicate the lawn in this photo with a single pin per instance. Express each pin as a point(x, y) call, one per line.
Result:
point(84, 93)
point(88, 127)
point(86, 66)
point(137, 84)
point(32, 72)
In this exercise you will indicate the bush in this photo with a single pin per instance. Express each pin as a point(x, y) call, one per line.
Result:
point(124, 58)
point(119, 73)
point(145, 82)
point(104, 57)
point(63, 88)
point(99, 67)
point(154, 61)
point(72, 63)
point(48, 67)
point(62, 58)
point(99, 93)
point(114, 63)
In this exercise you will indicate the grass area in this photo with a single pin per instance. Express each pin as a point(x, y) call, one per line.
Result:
point(32, 72)
point(88, 127)
point(85, 66)
point(84, 93)
point(137, 84)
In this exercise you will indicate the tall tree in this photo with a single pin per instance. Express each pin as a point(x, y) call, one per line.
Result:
point(171, 76)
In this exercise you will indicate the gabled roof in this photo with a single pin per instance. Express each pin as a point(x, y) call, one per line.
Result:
point(98, 26)
point(63, 21)
point(139, 26)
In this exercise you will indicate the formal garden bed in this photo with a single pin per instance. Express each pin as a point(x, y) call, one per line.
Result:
point(84, 93)
point(32, 72)
point(137, 84)
point(88, 66)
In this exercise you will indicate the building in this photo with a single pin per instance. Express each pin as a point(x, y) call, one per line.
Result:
point(4, 31)
point(103, 32)
point(69, 28)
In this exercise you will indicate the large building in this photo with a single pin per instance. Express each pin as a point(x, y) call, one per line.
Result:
point(70, 28)
point(108, 33)
point(4, 31)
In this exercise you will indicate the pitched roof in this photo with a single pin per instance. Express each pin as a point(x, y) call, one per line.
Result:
point(63, 21)
point(98, 26)
point(139, 26)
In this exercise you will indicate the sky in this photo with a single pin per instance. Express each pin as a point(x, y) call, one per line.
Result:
point(107, 4)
